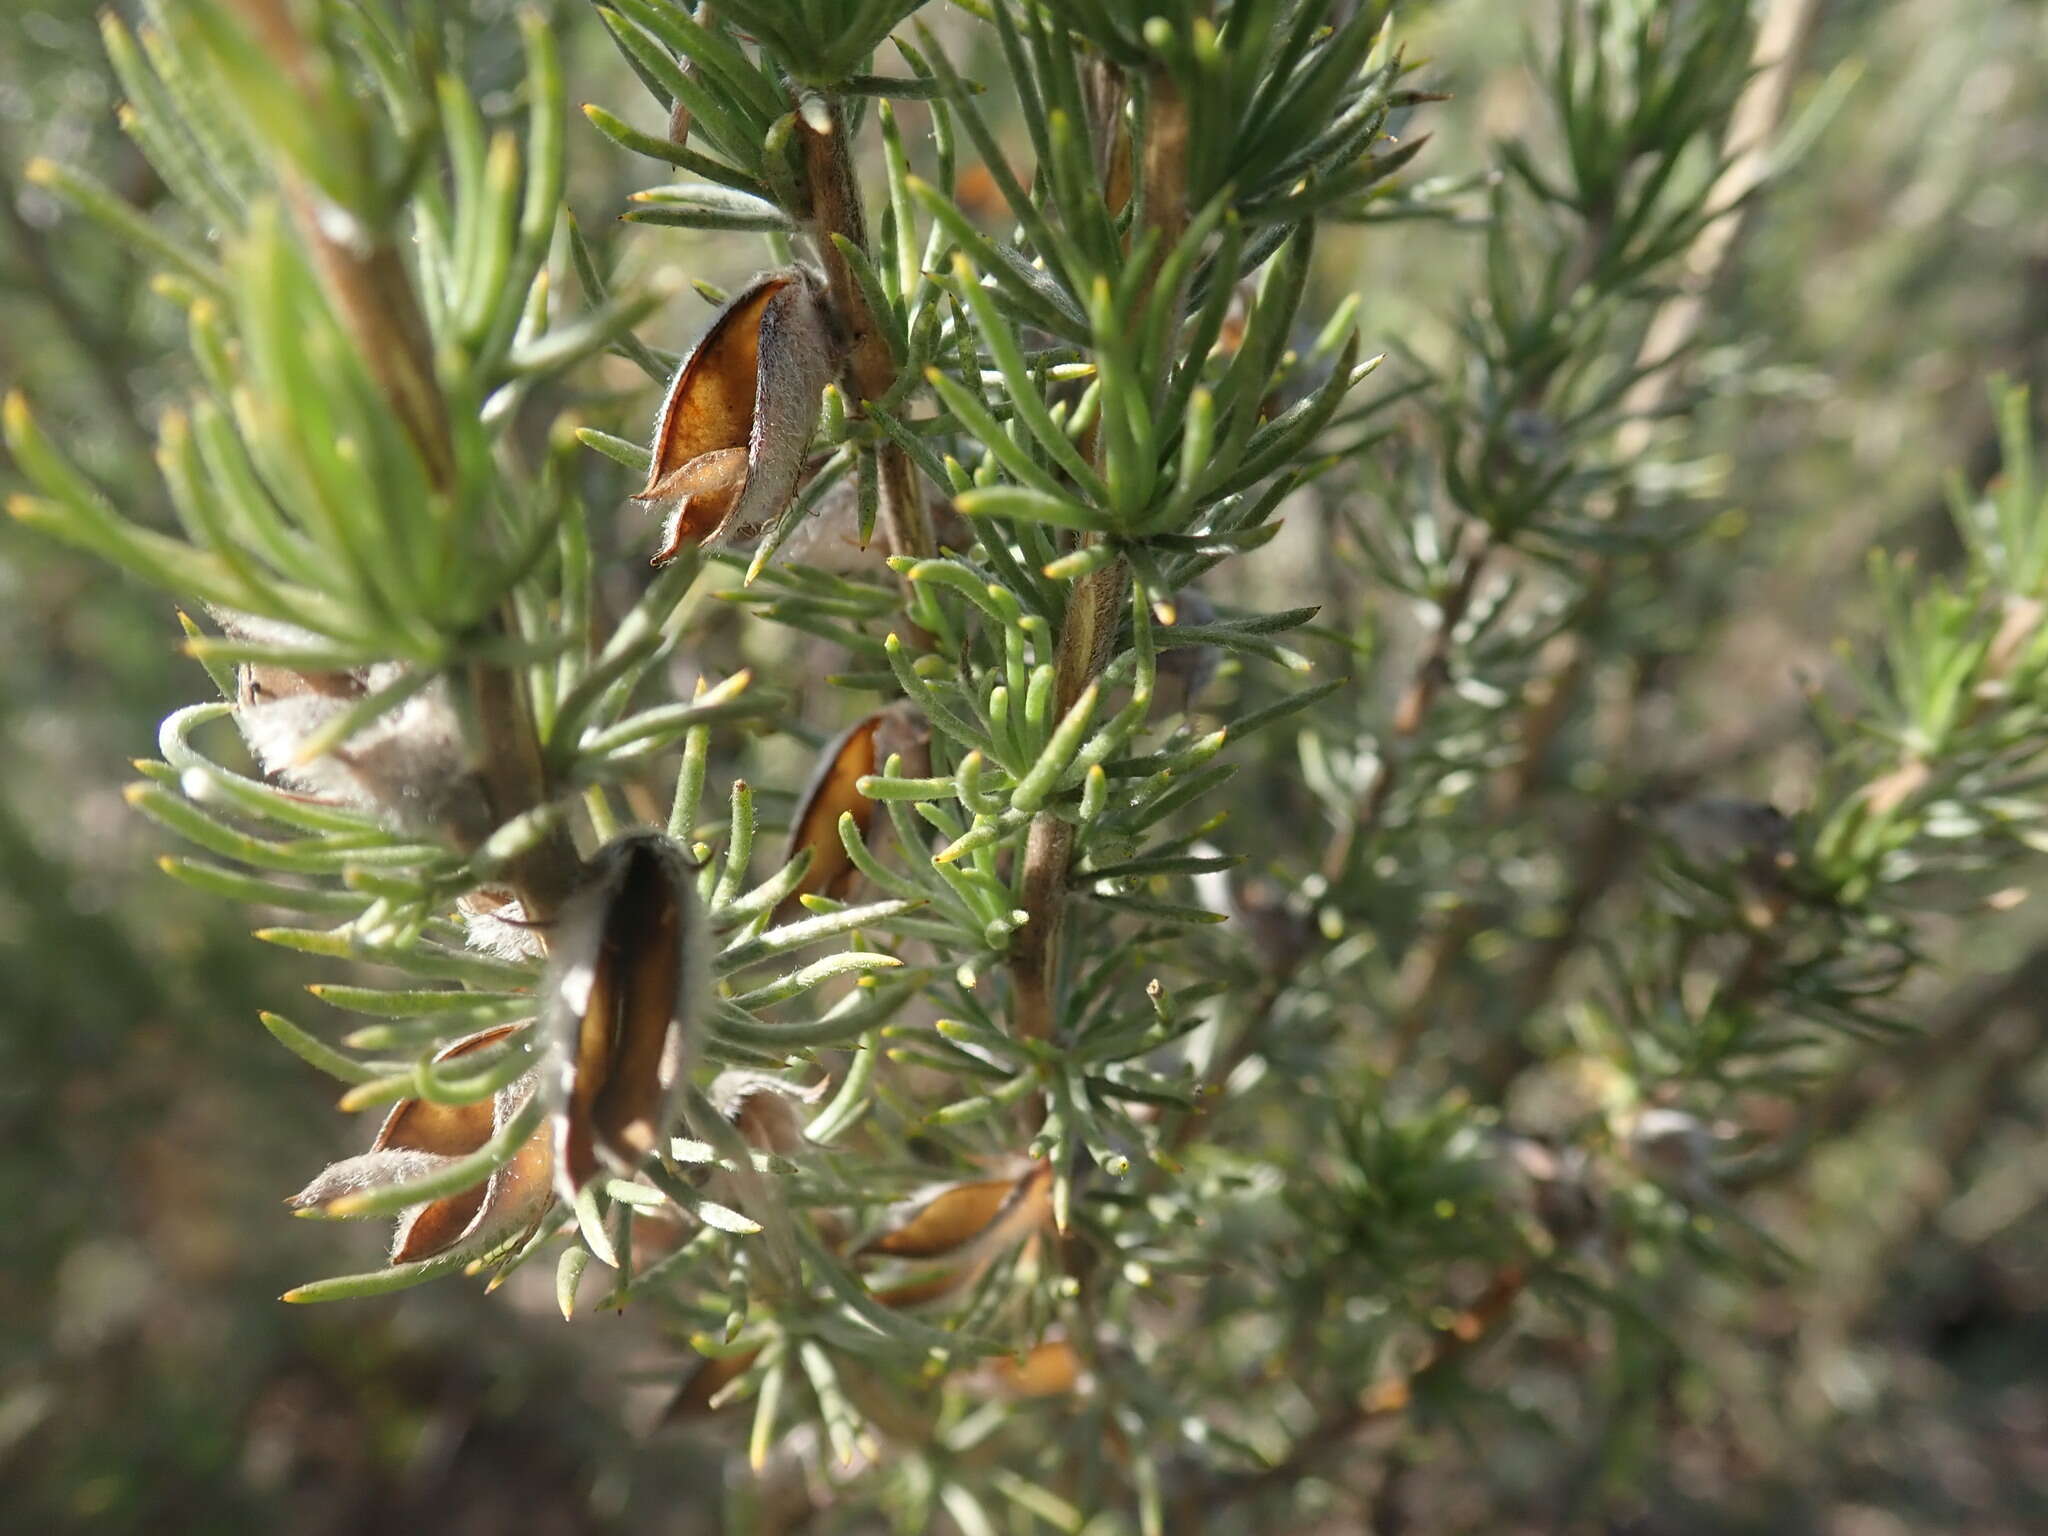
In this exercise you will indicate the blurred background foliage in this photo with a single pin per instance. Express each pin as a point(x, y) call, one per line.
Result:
point(1884, 1379)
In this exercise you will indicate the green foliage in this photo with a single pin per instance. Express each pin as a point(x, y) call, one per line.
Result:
point(1246, 1146)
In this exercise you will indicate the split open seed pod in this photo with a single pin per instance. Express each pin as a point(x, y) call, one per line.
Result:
point(1050, 1368)
point(900, 730)
point(707, 1377)
point(949, 1234)
point(419, 1138)
point(624, 994)
point(970, 1219)
point(410, 766)
point(731, 440)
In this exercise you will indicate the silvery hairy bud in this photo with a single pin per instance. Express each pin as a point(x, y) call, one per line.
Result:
point(420, 1137)
point(1671, 1145)
point(624, 993)
point(734, 431)
point(1554, 1184)
point(494, 923)
point(768, 1112)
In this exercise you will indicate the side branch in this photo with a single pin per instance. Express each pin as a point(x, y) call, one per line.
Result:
point(1091, 618)
point(366, 281)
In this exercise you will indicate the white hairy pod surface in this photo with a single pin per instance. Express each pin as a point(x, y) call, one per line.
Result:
point(410, 766)
point(494, 923)
point(625, 993)
point(769, 1113)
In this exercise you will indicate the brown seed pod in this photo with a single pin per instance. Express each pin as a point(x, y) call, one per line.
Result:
point(962, 1220)
point(933, 1285)
point(410, 766)
point(418, 1137)
point(730, 443)
point(1050, 1368)
point(900, 730)
point(624, 991)
point(708, 1376)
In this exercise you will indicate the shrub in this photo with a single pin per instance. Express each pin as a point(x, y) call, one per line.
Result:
point(1216, 1010)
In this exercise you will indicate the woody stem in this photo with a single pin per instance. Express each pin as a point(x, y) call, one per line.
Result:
point(515, 781)
point(1090, 624)
point(870, 372)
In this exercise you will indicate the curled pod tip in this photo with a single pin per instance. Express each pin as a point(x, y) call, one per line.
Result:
point(734, 431)
point(419, 1138)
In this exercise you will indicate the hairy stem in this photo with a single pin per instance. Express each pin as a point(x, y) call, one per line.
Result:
point(373, 297)
point(515, 781)
point(373, 294)
point(1049, 845)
